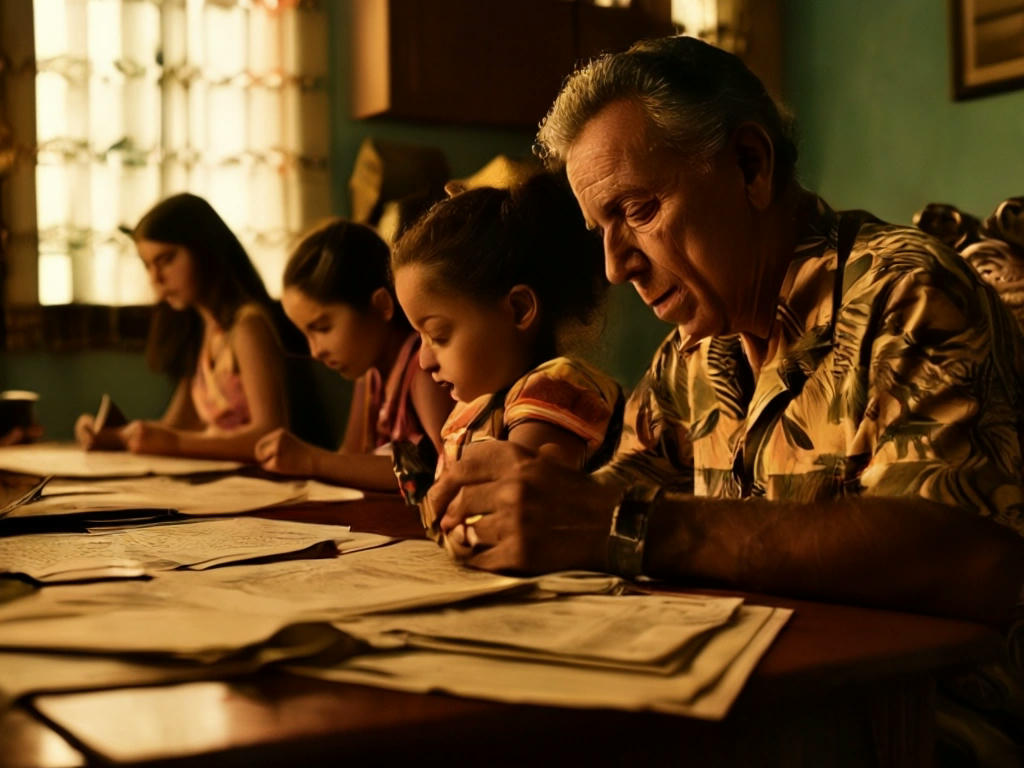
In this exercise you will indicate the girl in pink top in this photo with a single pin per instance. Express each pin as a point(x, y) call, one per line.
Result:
point(337, 292)
point(212, 332)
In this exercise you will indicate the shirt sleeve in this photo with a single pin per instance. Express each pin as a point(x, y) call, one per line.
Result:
point(568, 396)
point(943, 411)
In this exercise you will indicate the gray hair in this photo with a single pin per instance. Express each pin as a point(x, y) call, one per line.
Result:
point(694, 95)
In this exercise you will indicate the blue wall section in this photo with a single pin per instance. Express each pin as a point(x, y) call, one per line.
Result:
point(870, 83)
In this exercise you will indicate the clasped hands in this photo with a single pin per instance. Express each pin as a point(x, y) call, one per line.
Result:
point(503, 507)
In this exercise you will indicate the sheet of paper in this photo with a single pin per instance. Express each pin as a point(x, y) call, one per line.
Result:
point(406, 574)
point(647, 631)
point(65, 460)
point(24, 672)
point(195, 544)
point(325, 492)
point(529, 682)
point(199, 496)
point(188, 611)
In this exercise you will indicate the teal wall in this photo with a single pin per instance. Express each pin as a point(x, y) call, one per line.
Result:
point(870, 83)
point(70, 384)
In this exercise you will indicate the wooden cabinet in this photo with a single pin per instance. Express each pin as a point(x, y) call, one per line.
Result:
point(495, 62)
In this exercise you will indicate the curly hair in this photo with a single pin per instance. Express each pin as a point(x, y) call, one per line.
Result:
point(693, 94)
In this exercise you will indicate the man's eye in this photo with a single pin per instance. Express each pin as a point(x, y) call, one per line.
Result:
point(639, 213)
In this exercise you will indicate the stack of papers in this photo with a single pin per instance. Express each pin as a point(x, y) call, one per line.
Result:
point(681, 654)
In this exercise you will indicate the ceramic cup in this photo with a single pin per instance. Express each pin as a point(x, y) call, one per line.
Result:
point(17, 409)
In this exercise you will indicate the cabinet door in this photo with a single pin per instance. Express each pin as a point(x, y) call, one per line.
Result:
point(478, 61)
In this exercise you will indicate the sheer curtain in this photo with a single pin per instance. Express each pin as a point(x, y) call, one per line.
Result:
point(138, 99)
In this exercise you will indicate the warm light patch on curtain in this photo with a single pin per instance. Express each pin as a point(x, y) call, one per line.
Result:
point(139, 99)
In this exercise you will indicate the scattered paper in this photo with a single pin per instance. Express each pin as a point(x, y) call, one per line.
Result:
point(65, 460)
point(197, 544)
point(38, 672)
point(202, 495)
point(325, 492)
point(406, 574)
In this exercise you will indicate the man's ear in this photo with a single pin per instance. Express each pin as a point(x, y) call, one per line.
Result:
point(383, 304)
point(755, 155)
point(524, 305)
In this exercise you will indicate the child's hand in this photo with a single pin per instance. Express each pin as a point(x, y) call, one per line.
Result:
point(149, 437)
point(91, 440)
point(281, 451)
point(84, 432)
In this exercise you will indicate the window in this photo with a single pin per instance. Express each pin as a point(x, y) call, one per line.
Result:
point(138, 99)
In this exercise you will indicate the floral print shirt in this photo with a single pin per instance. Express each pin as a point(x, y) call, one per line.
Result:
point(892, 372)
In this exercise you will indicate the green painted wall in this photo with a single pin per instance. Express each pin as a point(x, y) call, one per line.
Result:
point(870, 83)
point(70, 384)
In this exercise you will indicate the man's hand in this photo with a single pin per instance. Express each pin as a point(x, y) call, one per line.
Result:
point(507, 508)
point(281, 451)
point(150, 437)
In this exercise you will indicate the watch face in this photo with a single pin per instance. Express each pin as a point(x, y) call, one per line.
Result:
point(629, 529)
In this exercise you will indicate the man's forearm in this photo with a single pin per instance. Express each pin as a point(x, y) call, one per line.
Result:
point(905, 553)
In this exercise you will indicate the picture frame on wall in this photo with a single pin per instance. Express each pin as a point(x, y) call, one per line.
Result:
point(988, 46)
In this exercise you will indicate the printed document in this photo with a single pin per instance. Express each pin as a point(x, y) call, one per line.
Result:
point(196, 544)
point(705, 688)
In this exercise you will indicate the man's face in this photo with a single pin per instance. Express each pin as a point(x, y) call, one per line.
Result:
point(680, 232)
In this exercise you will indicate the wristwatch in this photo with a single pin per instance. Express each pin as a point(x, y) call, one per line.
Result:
point(629, 530)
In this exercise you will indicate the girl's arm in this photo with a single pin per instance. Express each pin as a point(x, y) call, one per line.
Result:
point(181, 412)
point(355, 429)
point(557, 444)
point(433, 403)
point(260, 367)
point(282, 452)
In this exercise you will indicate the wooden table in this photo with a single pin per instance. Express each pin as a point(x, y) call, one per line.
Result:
point(841, 685)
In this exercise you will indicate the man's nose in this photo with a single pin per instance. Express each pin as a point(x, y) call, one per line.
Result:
point(622, 259)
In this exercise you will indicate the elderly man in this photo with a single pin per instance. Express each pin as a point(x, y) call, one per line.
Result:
point(834, 414)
